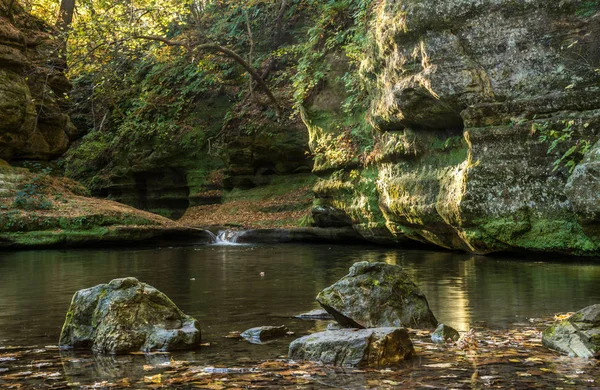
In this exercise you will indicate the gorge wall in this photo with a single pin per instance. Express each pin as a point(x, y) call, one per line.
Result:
point(485, 119)
point(33, 91)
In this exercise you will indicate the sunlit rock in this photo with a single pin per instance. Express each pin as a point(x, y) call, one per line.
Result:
point(354, 347)
point(317, 314)
point(375, 295)
point(126, 315)
point(578, 335)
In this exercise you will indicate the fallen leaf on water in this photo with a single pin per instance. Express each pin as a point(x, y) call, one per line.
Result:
point(274, 366)
point(563, 316)
point(523, 374)
point(153, 379)
point(439, 365)
point(125, 382)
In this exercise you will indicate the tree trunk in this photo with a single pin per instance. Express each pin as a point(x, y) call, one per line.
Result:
point(9, 10)
point(65, 19)
point(65, 16)
point(251, 53)
point(279, 24)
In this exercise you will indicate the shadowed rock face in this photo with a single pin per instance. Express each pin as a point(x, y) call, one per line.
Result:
point(126, 315)
point(375, 295)
point(354, 347)
point(458, 89)
point(578, 335)
point(33, 105)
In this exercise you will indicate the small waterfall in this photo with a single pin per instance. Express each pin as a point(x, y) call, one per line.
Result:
point(228, 237)
point(212, 236)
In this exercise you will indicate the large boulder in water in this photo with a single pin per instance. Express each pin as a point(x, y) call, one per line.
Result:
point(578, 335)
point(126, 315)
point(375, 295)
point(354, 347)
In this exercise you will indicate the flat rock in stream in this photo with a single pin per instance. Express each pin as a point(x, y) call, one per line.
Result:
point(264, 333)
point(375, 295)
point(378, 347)
point(317, 314)
point(124, 316)
point(578, 335)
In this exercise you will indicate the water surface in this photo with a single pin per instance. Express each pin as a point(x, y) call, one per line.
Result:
point(222, 287)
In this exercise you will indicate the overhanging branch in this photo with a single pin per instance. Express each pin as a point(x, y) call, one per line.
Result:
point(225, 51)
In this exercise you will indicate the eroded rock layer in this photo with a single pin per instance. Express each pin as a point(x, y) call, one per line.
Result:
point(33, 92)
point(487, 117)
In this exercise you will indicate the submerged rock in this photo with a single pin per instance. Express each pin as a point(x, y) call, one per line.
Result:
point(444, 333)
point(263, 333)
point(354, 347)
point(126, 315)
point(578, 335)
point(375, 295)
point(317, 314)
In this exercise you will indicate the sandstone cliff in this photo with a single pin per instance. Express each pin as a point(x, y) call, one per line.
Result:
point(467, 99)
point(33, 92)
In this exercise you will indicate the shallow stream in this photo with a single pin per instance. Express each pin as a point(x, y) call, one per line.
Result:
point(222, 286)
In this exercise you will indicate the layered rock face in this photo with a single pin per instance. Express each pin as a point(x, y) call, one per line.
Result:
point(251, 160)
point(33, 88)
point(482, 110)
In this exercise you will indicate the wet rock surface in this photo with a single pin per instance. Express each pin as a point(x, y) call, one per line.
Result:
point(317, 314)
point(354, 347)
point(377, 295)
point(126, 315)
point(264, 333)
point(327, 235)
point(444, 333)
point(578, 335)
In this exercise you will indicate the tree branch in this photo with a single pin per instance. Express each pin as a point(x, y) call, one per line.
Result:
point(279, 23)
point(225, 51)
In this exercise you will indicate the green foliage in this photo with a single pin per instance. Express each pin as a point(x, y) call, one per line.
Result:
point(32, 194)
point(337, 149)
point(588, 8)
point(561, 139)
point(340, 26)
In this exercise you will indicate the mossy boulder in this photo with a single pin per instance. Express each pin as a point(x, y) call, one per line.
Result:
point(578, 335)
point(375, 295)
point(354, 347)
point(124, 316)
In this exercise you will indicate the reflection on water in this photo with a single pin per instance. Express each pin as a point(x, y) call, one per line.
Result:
point(222, 287)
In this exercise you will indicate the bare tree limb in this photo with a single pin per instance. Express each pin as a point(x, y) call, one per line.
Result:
point(225, 51)
point(279, 24)
point(251, 53)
